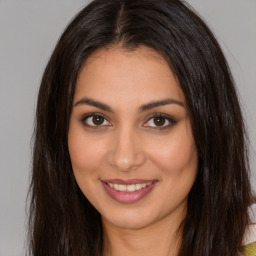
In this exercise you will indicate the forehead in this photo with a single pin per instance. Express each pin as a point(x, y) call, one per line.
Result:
point(116, 73)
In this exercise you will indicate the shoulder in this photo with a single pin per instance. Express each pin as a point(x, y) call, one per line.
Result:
point(250, 241)
point(250, 234)
point(250, 249)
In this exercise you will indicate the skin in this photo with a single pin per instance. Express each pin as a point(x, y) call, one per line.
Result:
point(129, 144)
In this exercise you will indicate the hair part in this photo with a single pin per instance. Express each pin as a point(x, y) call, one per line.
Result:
point(62, 220)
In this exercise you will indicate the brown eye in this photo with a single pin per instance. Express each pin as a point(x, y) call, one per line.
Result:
point(159, 121)
point(97, 120)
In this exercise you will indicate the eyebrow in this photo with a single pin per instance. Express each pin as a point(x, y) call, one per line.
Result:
point(145, 107)
point(159, 103)
point(94, 103)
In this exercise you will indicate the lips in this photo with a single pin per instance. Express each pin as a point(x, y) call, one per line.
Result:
point(128, 191)
point(128, 188)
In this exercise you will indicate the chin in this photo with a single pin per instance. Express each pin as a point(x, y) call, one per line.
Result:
point(128, 219)
point(129, 224)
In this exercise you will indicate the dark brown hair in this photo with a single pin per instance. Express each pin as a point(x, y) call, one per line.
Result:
point(62, 220)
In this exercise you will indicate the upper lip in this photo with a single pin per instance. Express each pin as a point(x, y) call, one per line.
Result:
point(128, 182)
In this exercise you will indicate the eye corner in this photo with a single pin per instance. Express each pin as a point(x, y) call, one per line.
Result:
point(165, 121)
point(95, 121)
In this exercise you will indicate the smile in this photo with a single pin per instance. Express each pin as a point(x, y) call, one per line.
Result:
point(128, 191)
point(129, 188)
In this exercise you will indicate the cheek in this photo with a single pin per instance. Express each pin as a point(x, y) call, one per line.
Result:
point(86, 157)
point(176, 159)
point(85, 154)
point(176, 155)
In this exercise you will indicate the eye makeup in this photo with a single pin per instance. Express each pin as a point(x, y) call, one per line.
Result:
point(158, 121)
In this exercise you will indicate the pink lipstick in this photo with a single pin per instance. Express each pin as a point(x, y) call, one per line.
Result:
point(128, 191)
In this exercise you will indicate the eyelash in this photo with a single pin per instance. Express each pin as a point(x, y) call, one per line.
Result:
point(86, 117)
point(155, 115)
point(161, 115)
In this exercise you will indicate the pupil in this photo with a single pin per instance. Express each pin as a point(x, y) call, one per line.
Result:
point(98, 120)
point(159, 121)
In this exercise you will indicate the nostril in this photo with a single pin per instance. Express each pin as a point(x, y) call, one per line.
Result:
point(126, 162)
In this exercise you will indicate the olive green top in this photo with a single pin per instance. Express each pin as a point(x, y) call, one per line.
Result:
point(250, 249)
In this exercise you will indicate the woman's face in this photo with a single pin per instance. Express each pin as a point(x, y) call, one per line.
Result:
point(130, 139)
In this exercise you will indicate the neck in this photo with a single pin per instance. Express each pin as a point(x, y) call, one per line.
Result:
point(161, 238)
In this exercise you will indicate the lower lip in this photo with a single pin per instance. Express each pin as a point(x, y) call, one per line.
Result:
point(128, 197)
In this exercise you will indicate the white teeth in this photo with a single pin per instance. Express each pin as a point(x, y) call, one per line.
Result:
point(122, 187)
point(138, 186)
point(131, 188)
point(128, 188)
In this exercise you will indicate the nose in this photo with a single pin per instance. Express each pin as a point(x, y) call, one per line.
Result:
point(126, 151)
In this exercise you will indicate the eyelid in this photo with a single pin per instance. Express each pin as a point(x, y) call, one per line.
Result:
point(169, 118)
point(87, 116)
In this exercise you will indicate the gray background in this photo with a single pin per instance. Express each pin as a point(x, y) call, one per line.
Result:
point(28, 33)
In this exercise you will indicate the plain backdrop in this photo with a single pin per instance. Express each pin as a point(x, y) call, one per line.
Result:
point(28, 33)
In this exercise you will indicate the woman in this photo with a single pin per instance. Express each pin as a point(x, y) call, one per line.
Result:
point(139, 141)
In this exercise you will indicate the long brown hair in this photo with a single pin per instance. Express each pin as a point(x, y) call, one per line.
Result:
point(62, 220)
